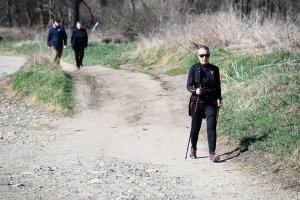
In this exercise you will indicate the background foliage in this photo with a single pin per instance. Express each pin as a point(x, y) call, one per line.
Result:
point(129, 20)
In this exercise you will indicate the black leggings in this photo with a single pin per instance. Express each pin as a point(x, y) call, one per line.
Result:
point(79, 54)
point(210, 111)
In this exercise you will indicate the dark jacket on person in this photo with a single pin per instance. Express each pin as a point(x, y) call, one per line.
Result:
point(57, 36)
point(84, 39)
point(208, 77)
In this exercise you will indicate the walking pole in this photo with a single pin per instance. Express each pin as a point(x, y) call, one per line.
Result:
point(198, 97)
point(217, 116)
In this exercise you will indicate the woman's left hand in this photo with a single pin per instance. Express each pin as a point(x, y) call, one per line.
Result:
point(219, 102)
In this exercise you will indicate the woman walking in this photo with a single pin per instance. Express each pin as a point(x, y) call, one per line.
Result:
point(79, 41)
point(205, 86)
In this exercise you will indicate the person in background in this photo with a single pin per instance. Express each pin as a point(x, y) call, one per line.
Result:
point(204, 84)
point(57, 40)
point(79, 41)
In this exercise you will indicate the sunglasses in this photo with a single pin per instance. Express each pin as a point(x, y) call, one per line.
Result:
point(202, 55)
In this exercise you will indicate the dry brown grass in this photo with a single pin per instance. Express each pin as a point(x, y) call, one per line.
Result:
point(33, 34)
point(227, 30)
point(112, 35)
point(218, 29)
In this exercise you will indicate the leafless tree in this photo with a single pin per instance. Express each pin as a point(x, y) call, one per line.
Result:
point(76, 10)
point(28, 12)
point(9, 12)
point(137, 17)
point(40, 9)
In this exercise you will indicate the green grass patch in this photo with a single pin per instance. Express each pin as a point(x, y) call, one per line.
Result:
point(48, 85)
point(219, 57)
point(177, 71)
point(263, 113)
point(148, 57)
point(239, 66)
point(242, 67)
point(140, 61)
point(110, 55)
point(23, 47)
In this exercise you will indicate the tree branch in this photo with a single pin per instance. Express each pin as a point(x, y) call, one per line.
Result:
point(90, 11)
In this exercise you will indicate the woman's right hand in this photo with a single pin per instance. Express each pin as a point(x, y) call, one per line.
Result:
point(198, 91)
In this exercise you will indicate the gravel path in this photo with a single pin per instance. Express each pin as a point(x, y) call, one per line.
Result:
point(116, 152)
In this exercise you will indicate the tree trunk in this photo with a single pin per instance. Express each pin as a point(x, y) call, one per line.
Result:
point(16, 13)
point(60, 9)
point(92, 17)
point(71, 14)
point(76, 11)
point(9, 12)
point(248, 8)
point(40, 7)
point(242, 9)
point(272, 9)
point(132, 6)
point(237, 8)
point(102, 3)
point(28, 13)
point(50, 12)
point(186, 6)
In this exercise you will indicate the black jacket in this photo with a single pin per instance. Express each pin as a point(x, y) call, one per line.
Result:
point(208, 77)
point(57, 36)
point(73, 37)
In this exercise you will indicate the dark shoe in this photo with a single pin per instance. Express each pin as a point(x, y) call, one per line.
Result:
point(193, 154)
point(214, 157)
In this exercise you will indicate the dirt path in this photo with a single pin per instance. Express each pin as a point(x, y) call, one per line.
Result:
point(10, 64)
point(130, 118)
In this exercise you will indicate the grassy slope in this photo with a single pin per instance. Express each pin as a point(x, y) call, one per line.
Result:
point(261, 92)
point(262, 108)
point(48, 85)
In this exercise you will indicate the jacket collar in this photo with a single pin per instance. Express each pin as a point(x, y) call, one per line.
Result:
point(56, 26)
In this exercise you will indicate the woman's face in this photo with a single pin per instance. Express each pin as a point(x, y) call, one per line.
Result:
point(203, 56)
point(78, 26)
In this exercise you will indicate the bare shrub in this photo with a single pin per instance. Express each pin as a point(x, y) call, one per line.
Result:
point(132, 19)
point(37, 34)
point(225, 29)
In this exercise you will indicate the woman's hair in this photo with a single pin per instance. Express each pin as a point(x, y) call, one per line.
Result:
point(205, 48)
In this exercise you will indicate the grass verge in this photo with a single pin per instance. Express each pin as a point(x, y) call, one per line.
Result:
point(262, 110)
point(110, 55)
point(48, 85)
